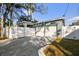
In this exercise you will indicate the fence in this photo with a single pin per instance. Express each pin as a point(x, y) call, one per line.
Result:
point(69, 32)
point(18, 32)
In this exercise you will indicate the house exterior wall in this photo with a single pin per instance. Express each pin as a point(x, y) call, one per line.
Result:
point(68, 32)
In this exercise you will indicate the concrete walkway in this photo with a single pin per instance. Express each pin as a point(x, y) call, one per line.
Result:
point(21, 47)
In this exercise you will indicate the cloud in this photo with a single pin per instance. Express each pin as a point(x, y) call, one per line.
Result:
point(71, 20)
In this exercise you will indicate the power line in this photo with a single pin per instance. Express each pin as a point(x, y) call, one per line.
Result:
point(77, 11)
point(66, 10)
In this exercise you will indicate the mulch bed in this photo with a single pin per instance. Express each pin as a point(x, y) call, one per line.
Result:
point(70, 45)
point(3, 38)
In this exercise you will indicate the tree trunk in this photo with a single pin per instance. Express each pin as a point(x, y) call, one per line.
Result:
point(2, 23)
point(4, 19)
point(10, 18)
point(7, 11)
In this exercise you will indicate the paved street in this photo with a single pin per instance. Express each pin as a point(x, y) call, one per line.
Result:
point(21, 47)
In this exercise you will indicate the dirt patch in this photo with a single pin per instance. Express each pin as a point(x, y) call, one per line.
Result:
point(3, 38)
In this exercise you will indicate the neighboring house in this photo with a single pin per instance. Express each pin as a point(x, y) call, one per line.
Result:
point(75, 23)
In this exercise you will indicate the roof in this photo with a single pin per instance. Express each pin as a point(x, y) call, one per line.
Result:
point(50, 22)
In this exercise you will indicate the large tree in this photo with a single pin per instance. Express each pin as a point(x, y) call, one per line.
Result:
point(9, 10)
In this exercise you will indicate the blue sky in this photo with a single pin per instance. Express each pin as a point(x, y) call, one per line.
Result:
point(56, 10)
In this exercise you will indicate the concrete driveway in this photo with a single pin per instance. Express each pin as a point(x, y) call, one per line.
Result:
point(21, 47)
